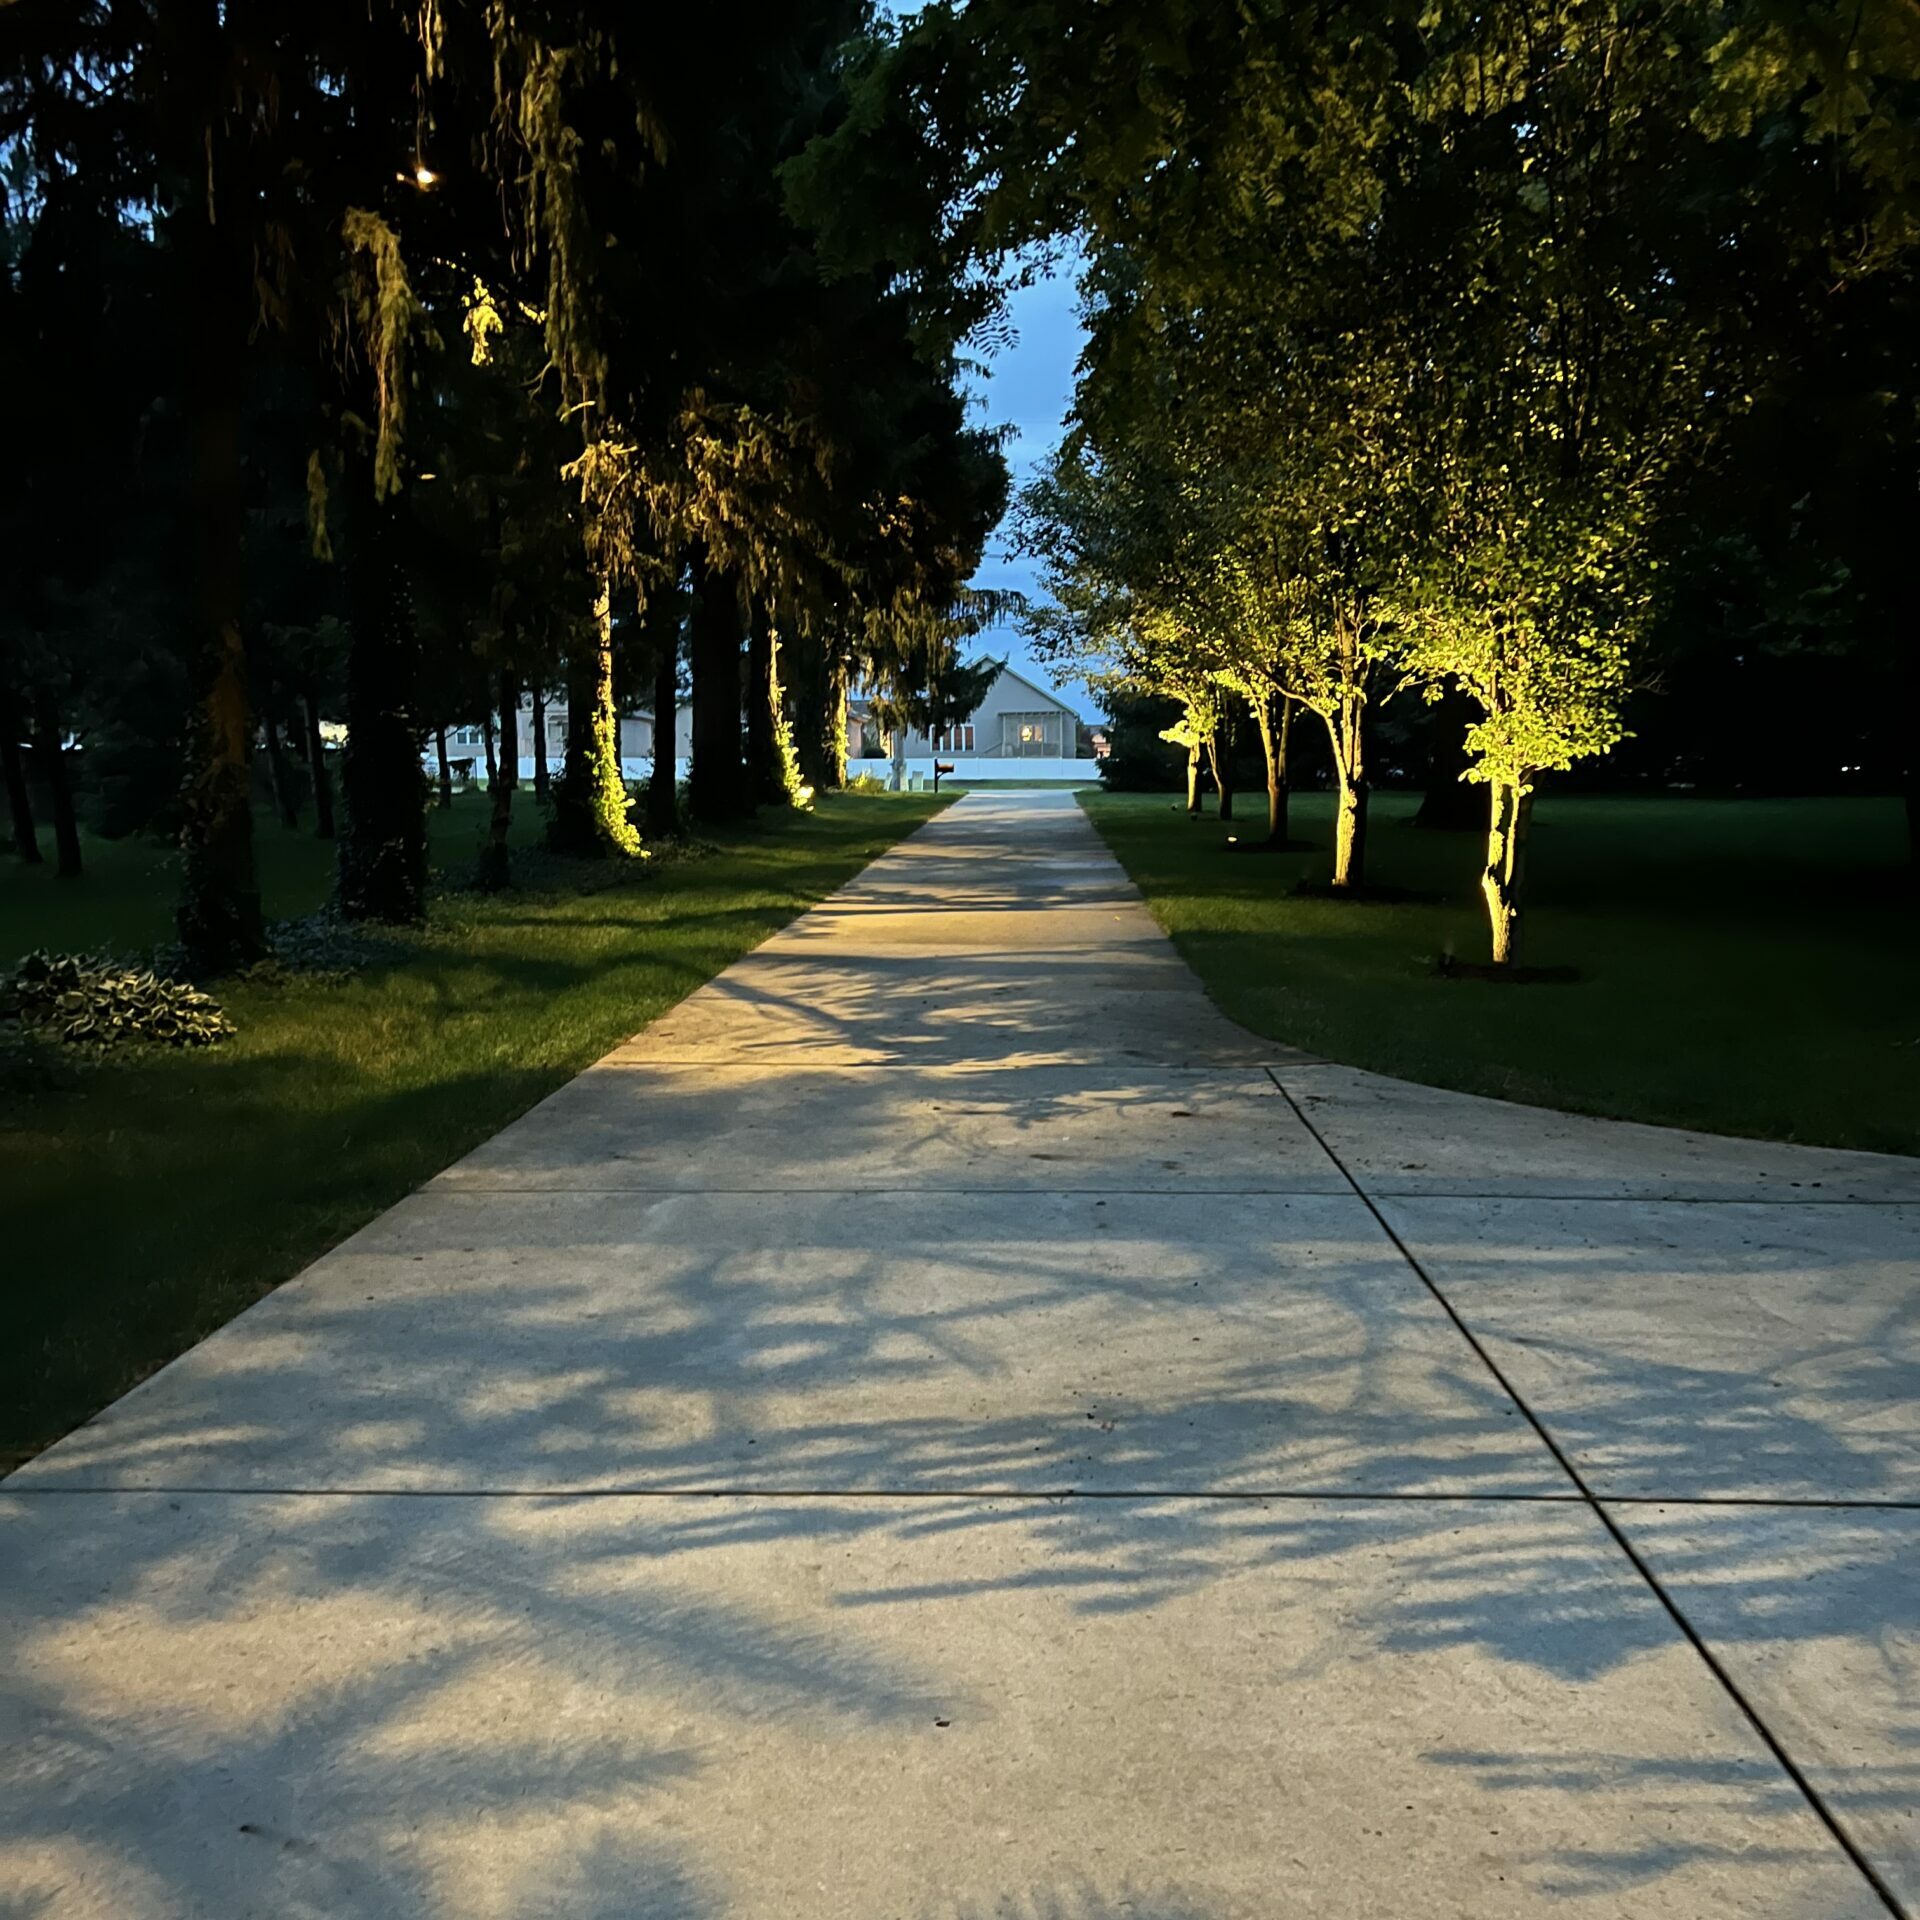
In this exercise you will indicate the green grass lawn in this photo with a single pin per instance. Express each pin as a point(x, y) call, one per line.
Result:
point(1746, 966)
point(160, 1194)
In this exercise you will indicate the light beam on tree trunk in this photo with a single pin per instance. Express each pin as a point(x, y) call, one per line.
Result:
point(1346, 734)
point(590, 806)
point(1502, 883)
point(773, 774)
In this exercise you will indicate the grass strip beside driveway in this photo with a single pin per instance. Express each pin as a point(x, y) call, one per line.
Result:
point(1746, 966)
point(158, 1195)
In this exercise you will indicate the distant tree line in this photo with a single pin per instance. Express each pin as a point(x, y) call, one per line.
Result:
point(1470, 388)
point(384, 364)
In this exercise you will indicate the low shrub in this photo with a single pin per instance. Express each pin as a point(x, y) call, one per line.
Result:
point(93, 1001)
point(323, 946)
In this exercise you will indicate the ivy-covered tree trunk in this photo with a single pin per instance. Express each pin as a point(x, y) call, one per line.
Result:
point(773, 772)
point(1275, 721)
point(590, 805)
point(317, 770)
point(1502, 883)
point(284, 797)
point(383, 852)
point(26, 840)
point(495, 860)
point(443, 766)
point(50, 747)
point(1451, 803)
point(663, 788)
point(219, 914)
point(717, 789)
point(542, 776)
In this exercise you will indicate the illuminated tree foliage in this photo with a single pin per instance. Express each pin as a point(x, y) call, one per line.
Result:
point(512, 297)
point(1406, 330)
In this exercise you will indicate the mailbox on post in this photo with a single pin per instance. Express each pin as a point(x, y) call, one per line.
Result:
point(940, 767)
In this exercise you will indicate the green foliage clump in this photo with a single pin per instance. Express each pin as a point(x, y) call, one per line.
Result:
point(97, 1002)
point(323, 946)
point(866, 783)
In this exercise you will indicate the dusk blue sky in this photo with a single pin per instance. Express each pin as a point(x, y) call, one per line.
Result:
point(1029, 386)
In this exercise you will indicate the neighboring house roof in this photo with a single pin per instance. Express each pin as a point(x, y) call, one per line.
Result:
point(860, 704)
point(1052, 699)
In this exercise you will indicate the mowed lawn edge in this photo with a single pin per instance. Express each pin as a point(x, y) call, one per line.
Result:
point(158, 1194)
point(1746, 966)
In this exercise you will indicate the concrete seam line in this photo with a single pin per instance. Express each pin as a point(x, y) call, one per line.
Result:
point(1330, 1496)
point(1051, 1496)
point(1827, 1817)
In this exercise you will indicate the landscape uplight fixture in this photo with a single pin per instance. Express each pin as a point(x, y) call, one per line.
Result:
point(422, 176)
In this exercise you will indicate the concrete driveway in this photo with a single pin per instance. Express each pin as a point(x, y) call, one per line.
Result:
point(944, 1424)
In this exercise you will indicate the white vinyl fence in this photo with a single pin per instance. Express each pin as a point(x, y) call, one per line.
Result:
point(919, 770)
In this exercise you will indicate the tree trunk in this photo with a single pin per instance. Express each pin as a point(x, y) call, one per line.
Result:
point(1346, 733)
point(219, 914)
point(486, 741)
point(1503, 882)
point(542, 778)
point(772, 774)
point(663, 789)
point(317, 768)
point(590, 807)
point(813, 750)
point(50, 746)
point(26, 840)
point(718, 789)
point(1350, 833)
point(444, 765)
point(383, 852)
point(1276, 741)
point(1193, 779)
point(1220, 765)
point(1451, 803)
point(503, 775)
point(833, 722)
point(278, 772)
